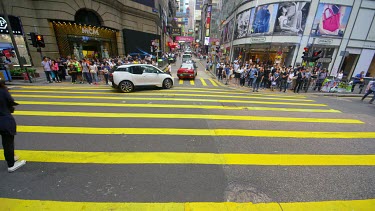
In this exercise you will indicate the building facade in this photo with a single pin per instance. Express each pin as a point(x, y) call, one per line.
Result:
point(274, 31)
point(86, 28)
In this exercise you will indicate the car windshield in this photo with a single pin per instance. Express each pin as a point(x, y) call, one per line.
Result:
point(187, 66)
point(186, 56)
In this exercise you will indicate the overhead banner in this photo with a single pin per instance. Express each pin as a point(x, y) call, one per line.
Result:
point(331, 20)
point(184, 38)
point(291, 18)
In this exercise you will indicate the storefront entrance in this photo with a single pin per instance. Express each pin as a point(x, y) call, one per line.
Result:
point(266, 53)
point(80, 41)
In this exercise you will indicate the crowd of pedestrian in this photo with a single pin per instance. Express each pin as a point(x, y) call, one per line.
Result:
point(87, 70)
point(277, 77)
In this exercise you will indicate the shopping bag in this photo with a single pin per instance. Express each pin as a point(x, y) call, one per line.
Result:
point(331, 23)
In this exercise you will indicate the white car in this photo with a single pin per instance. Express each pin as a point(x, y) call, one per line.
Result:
point(186, 57)
point(127, 77)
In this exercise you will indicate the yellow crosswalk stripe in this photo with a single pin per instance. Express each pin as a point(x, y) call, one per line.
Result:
point(179, 106)
point(194, 158)
point(175, 89)
point(203, 82)
point(78, 87)
point(192, 82)
point(185, 116)
point(196, 132)
point(163, 94)
point(212, 82)
point(126, 98)
point(180, 81)
point(219, 83)
point(27, 204)
point(188, 90)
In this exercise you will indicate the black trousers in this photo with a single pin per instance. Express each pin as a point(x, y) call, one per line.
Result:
point(283, 84)
point(8, 145)
point(298, 86)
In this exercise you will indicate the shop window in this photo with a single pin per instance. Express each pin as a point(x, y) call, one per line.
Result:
point(84, 16)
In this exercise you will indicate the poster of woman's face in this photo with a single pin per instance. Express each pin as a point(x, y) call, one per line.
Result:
point(331, 20)
point(291, 18)
point(242, 24)
point(264, 20)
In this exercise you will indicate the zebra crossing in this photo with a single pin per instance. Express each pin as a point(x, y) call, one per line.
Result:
point(201, 82)
point(182, 140)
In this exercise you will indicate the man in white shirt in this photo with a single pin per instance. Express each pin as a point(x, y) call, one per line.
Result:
point(46, 63)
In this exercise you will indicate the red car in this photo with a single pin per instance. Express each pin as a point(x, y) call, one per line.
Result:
point(187, 70)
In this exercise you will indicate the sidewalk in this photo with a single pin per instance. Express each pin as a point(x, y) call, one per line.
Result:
point(233, 86)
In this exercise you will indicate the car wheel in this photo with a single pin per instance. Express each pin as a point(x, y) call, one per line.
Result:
point(167, 83)
point(126, 86)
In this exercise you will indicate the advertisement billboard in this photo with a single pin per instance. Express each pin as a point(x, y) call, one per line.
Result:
point(291, 18)
point(242, 24)
point(331, 20)
point(264, 19)
point(230, 30)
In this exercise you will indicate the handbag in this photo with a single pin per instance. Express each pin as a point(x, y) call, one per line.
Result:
point(331, 23)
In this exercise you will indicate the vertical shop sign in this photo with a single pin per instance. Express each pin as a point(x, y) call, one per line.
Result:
point(208, 20)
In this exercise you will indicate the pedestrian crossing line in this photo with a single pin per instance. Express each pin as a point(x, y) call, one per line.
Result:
point(203, 82)
point(128, 98)
point(28, 204)
point(163, 94)
point(180, 81)
point(185, 116)
point(192, 82)
point(195, 132)
point(98, 88)
point(212, 82)
point(219, 83)
point(178, 106)
point(194, 158)
point(172, 91)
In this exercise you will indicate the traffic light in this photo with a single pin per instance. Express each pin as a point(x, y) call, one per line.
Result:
point(32, 38)
point(305, 56)
point(316, 56)
point(40, 41)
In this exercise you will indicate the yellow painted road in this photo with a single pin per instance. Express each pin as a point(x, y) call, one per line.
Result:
point(349, 205)
point(213, 82)
point(203, 82)
point(185, 116)
point(194, 158)
point(179, 106)
point(196, 132)
point(168, 99)
point(173, 90)
point(164, 94)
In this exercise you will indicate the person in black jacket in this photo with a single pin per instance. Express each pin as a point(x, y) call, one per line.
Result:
point(300, 78)
point(8, 127)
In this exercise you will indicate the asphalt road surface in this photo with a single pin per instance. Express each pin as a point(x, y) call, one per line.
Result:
point(200, 141)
